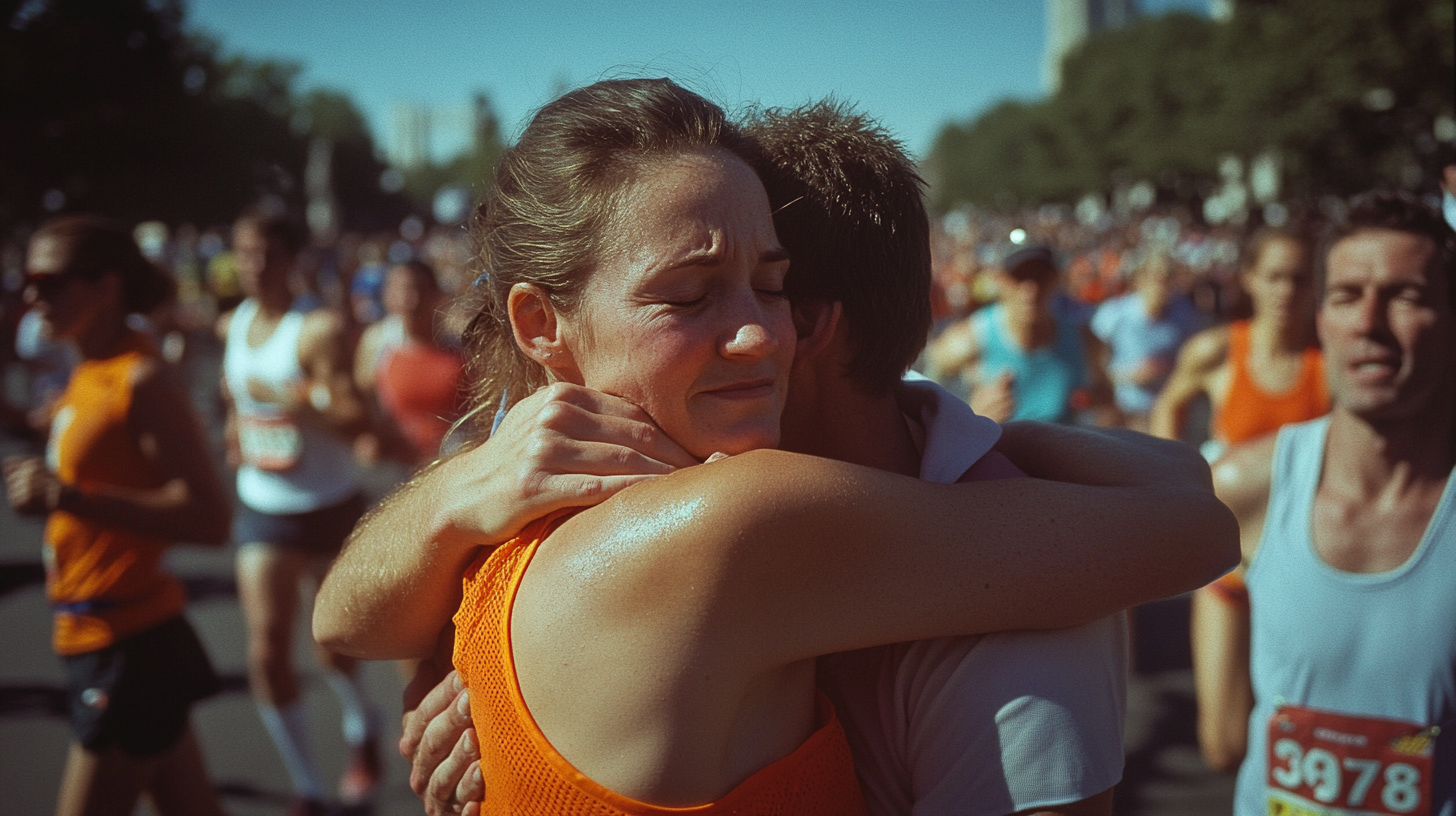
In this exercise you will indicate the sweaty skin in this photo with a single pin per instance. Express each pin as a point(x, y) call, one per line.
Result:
point(717, 618)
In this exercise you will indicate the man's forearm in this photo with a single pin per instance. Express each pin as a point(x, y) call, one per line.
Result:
point(397, 582)
point(1101, 457)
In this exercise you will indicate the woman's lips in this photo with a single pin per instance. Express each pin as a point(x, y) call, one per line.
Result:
point(749, 390)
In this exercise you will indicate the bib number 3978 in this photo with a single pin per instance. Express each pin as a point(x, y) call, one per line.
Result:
point(1322, 763)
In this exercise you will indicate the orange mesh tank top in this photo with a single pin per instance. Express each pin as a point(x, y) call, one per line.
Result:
point(523, 774)
point(1249, 411)
point(104, 584)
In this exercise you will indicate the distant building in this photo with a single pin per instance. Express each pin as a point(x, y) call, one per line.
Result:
point(423, 132)
point(410, 146)
point(1068, 24)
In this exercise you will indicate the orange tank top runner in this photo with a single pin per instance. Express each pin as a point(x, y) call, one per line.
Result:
point(523, 774)
point(104, 583)
point(1249, 411)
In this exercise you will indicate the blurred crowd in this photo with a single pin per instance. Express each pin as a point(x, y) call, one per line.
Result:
point(348, 275)
point(1154, 321)
point(1122, 296)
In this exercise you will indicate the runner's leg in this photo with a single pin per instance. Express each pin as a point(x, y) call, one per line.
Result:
point(179, 785)
point(268, 582)
point(100, 783)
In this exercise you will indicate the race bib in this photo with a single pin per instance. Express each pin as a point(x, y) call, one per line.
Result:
point(1322, 764)
point(269, 443)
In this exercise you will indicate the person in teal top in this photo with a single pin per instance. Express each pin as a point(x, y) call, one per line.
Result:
point(1023, 357)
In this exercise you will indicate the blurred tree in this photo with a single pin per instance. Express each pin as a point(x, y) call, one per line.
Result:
point(357, 170)
point(106, 105)
point(471, 170)
point(1344, 93)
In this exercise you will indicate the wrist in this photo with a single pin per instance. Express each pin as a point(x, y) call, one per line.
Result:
point(62, 497)
point(458, 525)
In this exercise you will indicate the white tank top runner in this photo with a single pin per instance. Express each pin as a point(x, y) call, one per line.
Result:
point(1379, 645)
point(288, 467)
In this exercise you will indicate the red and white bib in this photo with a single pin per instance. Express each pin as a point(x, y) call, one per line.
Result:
point(1323, 763)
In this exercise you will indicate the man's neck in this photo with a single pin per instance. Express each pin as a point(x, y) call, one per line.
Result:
point(852, 426)
point(1153, 307)
point(1380, 461)
point(1031, 331)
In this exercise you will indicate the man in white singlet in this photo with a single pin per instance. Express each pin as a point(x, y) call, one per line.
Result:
point(1337, 687)
point(292, 413)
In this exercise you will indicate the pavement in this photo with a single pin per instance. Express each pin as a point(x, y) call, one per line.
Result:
point(1164, 775)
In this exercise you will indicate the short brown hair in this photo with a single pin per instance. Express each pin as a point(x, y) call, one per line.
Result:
point(848, 206)
point(1401, 212)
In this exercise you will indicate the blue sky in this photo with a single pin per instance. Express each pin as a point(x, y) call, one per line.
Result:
point(914, 65)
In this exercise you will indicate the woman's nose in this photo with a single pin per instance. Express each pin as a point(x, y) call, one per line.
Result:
point(752, 339)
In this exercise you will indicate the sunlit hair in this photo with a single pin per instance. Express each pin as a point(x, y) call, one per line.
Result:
point(553, 198)
point(93, 246)
point(848, 207)
point(1401, 212)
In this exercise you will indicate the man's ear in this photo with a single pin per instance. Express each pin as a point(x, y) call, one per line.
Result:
point(537, 327)
point(815, 323)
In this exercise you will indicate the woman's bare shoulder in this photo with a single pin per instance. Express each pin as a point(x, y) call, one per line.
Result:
point(686, 522)
point(745, 487)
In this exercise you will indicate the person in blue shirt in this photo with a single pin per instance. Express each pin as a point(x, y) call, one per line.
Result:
point(1143, 331)
point(1022, 357)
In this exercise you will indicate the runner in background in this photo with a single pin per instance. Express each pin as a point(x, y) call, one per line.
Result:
point(1258, 373)
point(293, 413)
point(401, 362)
point(126, 473)
point(1143, 331)
point(1024, 356)
point(1336, 685)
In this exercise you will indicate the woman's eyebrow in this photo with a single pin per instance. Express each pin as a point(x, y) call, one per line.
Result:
point(715, 253)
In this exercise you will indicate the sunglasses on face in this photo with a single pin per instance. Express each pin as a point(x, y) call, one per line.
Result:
point(47, 284)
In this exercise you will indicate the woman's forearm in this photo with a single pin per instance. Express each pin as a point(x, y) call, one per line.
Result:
point(1102, 457)
point(791, 556)
point(397, 583)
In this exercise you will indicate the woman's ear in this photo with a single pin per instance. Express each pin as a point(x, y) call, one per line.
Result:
point(537, 327)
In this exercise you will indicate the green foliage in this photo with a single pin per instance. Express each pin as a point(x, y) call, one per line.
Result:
point(109, 102)
point(1345, 91)
point(472, 170)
